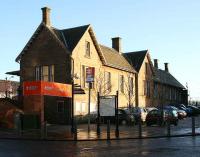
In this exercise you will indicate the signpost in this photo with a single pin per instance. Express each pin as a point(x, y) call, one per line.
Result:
point(90, 72)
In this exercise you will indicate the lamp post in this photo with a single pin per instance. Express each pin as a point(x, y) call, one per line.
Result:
point(6, 85)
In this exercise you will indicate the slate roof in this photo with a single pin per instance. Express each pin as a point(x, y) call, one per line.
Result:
point(136, 58)
point(70, 37)
point(115, 59)
point(166, 78)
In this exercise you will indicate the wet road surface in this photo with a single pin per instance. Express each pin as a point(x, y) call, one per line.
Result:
point(164, 147)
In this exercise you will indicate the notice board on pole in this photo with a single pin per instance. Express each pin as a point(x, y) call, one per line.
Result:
point(107, 106)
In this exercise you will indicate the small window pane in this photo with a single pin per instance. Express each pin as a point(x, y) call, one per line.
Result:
point(60, 106)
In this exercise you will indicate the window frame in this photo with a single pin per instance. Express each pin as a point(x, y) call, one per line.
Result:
point(63, 106)
point(87, 49)
point(39, 73)
point(121, 83)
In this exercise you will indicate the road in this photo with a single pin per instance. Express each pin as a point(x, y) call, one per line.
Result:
point(163, 147)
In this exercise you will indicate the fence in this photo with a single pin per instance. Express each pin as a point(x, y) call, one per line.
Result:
point(189, 126)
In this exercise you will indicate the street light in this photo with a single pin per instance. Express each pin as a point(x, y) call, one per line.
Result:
point(6, 85)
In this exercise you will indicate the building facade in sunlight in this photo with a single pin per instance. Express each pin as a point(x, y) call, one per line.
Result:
point(63, 55)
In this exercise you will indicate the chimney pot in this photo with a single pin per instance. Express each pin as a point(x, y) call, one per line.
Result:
point(116, 44)
point(156, 63)
point(46, 16)
point(166, 67)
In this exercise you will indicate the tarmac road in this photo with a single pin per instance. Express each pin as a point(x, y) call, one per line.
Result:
point(163, 147)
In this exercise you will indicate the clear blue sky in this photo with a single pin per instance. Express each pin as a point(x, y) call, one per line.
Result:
point(170, 29)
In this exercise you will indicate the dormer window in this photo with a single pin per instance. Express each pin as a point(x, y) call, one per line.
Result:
point(87, 49)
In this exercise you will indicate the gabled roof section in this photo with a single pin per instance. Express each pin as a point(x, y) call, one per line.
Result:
point(70, 37)
point(115, 59)
point(34, 36)
point(136, 58)
point(30, 41)
point(166, 78)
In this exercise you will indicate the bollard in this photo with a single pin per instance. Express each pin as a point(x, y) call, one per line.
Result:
point(45, 129)
point(108, 129)
point(75, 131)
point(117, 129)
point(193, 126)
point(20, 127)
point(140, 127)
point(42, 130)
point(98, 127)
point(168, 128)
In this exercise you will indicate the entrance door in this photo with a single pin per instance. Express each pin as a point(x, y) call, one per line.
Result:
point(57, 110)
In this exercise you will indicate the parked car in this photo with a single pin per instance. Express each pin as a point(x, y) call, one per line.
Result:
point(139, 113)
point(195, 110)
point(157, 117)
point(150, 109)
point(181, 113)
point(124, 115)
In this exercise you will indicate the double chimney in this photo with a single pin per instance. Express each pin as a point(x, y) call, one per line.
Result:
point(156, 65)
point(46, 16)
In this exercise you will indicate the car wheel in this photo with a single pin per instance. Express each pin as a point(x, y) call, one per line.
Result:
point(148, 123)
point(176, 123)
point(123, 122)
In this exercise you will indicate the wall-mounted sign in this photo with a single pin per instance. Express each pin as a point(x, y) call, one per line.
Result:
point(107, 106)
point(90, 71)
point(47, 88)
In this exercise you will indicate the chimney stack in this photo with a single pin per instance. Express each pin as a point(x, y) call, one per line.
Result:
point(46, 16)
point(156, 63)
point(116, 44)
point(166, 67)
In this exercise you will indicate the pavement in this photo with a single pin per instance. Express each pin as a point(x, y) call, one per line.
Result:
point(160, 147)
point(63, 132)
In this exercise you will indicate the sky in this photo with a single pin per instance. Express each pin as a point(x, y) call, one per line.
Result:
point(170, 30)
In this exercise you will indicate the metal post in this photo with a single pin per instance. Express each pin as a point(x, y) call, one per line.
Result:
point(168, 128)
point(72, 108)
point(20, 125)
point(108, 129)
point(6, 88)
point(75, 130)
point(140, 127)
point(193, 126)
point(98, 114)
point(89, 106)
point(117, 116)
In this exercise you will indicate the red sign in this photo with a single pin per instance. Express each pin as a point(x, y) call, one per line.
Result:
point(47, 88)
point(90, 71)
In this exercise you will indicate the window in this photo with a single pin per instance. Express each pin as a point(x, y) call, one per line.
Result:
point(87, 49)
point(83, 78)
point(51, 73)
point(147, 88)
point(37, 73)
point(121, 83)
point(108, 82)
point(146, 68)
point(44, 73)
point(155, 90)
point(60, 106)
point(130, 82)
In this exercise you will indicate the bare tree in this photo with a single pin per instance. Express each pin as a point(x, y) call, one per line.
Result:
point(129, 91)
point(101, 85)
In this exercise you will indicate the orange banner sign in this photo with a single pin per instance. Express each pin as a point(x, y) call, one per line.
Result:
point(47, 88)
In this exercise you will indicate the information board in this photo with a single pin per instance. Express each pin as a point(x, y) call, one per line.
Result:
point(107, 106)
